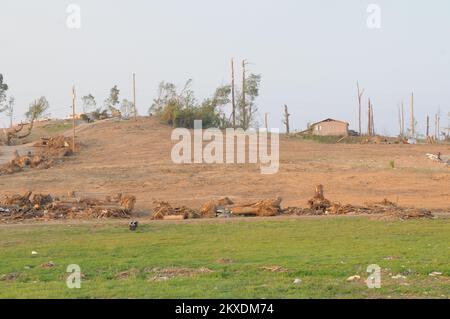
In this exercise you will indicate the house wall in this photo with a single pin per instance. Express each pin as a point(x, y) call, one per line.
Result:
point(330, 129)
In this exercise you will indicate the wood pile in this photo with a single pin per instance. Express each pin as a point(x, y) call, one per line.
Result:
point(17, 208)
point(212, 208)
point(164, 211)
point(263, 208)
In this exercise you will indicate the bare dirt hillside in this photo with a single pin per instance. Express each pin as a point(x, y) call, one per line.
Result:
point(134, 158)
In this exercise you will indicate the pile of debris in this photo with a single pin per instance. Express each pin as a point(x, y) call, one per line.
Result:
point(319, 205)
point(51, 151)
point(164, 211)
point(17, 208)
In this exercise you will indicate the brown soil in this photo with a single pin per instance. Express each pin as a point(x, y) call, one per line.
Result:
point(134, 158)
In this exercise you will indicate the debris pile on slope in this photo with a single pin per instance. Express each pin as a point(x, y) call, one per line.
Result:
point(439, 158)
point(46, 207)
point(51, 151)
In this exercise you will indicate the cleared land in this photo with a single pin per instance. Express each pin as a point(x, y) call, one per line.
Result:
point(135, 159)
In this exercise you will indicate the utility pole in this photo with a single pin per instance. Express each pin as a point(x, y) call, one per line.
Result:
point(73, 118)
point(286, 118)
point(400, 120)
point(244, 115)
point(413, 122)
point(428, 126)
point(360, 94)
point(233, 98)
point(134, 97)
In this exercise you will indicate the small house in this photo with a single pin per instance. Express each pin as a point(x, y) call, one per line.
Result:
point(329, 127)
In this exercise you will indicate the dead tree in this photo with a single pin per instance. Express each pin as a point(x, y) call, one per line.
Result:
point(413, 124)
point(403, 119)
point(360, 95)
point(266, 121)
point(14, 133)
point(134, 98)
point(233, 97)
point(244, 88)
point(369, 120)
point(286, 118)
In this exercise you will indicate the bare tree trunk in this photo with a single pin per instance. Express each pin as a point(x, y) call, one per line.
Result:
point(73, 118)
point(244, 111)
point(233, 101)
point(373, 121)
point(435, 126)
point(134, 97)
point(286, 118)
point(360, 94)
point(413, 124)
point(403, 119)
point(369, 120)
point(266, 120)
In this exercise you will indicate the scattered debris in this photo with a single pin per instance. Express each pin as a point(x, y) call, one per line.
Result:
point(9, 277)
point(274, 269)
point(174, 272)
point(297, 281)
point(127, 274)
point(48, 265)
point(353, 278)
point(435, 274)
point(398, 277)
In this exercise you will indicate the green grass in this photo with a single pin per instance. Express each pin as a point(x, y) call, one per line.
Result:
point(323, 252)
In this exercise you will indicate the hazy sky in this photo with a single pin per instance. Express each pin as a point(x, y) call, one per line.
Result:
point(310, 53)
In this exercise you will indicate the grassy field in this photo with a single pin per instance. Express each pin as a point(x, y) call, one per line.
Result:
point(168, 260)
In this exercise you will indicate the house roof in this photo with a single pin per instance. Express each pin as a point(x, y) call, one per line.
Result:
point(329, 120)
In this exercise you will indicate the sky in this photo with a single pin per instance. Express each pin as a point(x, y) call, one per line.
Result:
point(310, 54)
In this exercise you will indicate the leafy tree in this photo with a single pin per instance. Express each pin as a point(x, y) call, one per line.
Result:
point(246, 114)
point(89, 103)
point(126, 108)
point(37, 109)
point(112, 101)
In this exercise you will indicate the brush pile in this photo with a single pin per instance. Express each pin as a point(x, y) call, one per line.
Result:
point(52, 150)
point(319, 205)
point(17, 208)
point(164, 211)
